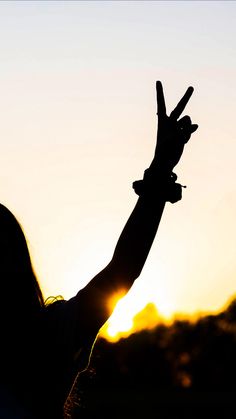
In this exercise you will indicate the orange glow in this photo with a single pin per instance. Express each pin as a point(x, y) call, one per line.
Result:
point(127, 318)
point(115, 299)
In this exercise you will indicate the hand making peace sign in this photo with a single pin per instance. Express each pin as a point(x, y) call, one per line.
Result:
point(173, 133)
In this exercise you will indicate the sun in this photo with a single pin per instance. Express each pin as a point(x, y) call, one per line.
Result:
point(132, 313)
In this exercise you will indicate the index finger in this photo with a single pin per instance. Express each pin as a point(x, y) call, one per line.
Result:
point(161, 106)
point(182, 103)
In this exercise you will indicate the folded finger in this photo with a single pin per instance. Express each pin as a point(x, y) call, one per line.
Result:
point(185, 128)
point(185, 121)
point(194, 128)
point(186, 124)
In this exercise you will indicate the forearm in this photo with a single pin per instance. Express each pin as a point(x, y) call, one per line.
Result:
point(136, 239)
point(132, 247)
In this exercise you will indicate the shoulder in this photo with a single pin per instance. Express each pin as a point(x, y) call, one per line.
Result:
point(68, 331)
point(68, 322)
point(59, 310)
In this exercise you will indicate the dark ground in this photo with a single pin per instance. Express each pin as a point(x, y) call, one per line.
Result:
point(118, 404)
point(187, 370)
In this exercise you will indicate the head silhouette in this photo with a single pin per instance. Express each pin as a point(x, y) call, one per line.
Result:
point(19, 286)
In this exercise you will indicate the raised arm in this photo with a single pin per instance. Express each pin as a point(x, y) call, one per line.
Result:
point(158, 186)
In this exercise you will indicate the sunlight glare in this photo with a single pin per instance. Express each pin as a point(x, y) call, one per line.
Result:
point(131, 313)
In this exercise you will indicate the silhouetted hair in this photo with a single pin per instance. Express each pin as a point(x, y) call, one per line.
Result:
point(19, 285)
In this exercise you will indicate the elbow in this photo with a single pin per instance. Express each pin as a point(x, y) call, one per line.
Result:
point(125, 274)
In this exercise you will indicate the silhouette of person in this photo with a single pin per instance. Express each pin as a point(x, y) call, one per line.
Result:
point(44, 347)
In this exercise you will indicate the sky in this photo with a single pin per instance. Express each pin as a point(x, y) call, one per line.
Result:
point(78, 126)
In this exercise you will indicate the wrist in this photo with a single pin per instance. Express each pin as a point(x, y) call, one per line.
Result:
point(159, 183)
point(161, 168)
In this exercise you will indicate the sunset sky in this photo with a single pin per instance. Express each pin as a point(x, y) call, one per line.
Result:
point(78, 126)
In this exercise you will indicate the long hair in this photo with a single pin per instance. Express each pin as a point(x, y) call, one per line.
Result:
point(19, 284)
point(23, 349)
